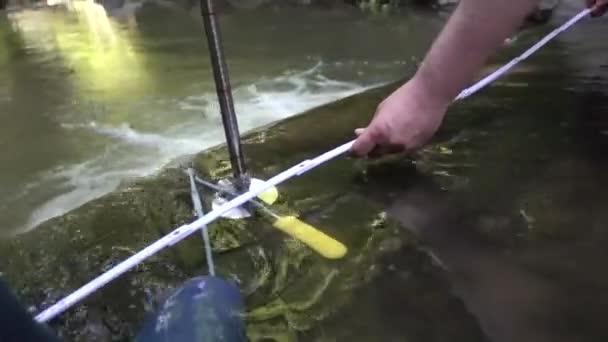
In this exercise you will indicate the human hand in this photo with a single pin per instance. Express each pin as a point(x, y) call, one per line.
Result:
point(404, 121)
point(600, 7)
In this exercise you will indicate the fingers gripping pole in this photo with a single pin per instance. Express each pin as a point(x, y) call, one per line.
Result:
point(299, 169)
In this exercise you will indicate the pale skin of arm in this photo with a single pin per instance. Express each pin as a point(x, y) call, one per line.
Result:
point(410, 116)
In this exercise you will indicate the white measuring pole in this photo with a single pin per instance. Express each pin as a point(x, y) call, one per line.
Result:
point(184, 231)
point(297, 170)
point(502, 70)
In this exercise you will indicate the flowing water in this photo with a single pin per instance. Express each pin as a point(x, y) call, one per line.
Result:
point(91, 96)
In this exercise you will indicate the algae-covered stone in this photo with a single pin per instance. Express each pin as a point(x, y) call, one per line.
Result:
point(289, 289)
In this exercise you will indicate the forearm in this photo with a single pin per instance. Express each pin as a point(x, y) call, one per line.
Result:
point(475, 31)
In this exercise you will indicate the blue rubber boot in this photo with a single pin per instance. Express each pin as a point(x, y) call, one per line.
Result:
point(204, 309)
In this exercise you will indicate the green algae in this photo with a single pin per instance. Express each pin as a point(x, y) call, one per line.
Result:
point(289, 289)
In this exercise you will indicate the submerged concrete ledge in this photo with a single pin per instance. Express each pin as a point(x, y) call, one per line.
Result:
point(292, 293)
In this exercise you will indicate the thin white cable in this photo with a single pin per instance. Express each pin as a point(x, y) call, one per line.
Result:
point(297, 170)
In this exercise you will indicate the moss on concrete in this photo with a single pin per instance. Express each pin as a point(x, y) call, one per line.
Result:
point(289, 289)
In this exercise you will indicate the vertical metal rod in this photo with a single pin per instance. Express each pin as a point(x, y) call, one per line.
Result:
point(224, 94)
point(198, 208)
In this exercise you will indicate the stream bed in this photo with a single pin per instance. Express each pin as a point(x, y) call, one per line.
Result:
point(494, 232)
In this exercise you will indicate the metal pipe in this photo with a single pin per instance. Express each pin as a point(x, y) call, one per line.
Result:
point(198, 208)
point(224, 94)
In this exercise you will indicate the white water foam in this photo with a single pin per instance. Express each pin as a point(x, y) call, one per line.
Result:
point(135, 154)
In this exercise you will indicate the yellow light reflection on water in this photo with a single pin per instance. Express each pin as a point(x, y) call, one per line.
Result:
point(98, 51)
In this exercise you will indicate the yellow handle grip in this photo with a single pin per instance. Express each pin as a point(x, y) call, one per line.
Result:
point(314, 238)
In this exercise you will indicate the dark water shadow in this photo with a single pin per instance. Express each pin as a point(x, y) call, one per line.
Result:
point(518, 290)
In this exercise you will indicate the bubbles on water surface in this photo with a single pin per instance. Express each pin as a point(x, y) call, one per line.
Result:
point(132, 152)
